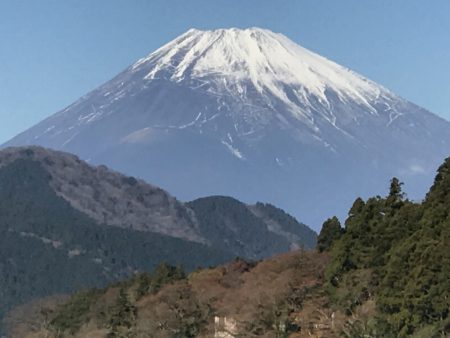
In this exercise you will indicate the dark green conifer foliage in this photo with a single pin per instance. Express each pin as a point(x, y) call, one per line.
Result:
point(122, 316)
point(401, 251)
point(75, 313)
point(331, 231)
point(163, 274)
point(396, 195)
point(357, 207)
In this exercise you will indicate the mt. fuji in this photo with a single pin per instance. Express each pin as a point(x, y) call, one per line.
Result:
point(251, 114)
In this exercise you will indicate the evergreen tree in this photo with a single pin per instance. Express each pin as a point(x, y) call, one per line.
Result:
point(357, 207)
point(123, 315)
point(396, 195)
point(396, 252)
point(331, 230)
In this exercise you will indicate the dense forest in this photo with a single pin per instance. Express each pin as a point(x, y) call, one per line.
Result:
point(397, 253)
point(220, 217)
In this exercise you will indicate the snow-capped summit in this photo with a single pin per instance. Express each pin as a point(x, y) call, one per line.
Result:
point(244, 62)
point(250, 113)
point(267, 60)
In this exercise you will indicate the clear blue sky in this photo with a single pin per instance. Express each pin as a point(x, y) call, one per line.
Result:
point(54, 51)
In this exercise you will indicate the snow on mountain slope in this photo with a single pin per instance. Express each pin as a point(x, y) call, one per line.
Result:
point(268, 60)
point(251, 114)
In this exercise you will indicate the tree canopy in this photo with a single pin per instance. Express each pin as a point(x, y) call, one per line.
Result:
point(399, 253)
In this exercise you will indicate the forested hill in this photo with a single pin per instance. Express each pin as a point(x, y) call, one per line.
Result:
point(109, 197)
point(266, 229)
point(397, 253)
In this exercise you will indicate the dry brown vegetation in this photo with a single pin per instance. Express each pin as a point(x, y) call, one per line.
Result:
point(34, 317)
point(278, 297)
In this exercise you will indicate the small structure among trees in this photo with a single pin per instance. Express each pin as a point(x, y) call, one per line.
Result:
point(225, 327)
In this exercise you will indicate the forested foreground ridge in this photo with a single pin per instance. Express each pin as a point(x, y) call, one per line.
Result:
point(396, 253)
point(385, 274)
